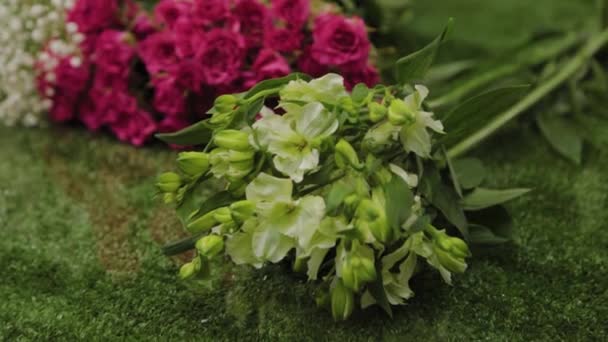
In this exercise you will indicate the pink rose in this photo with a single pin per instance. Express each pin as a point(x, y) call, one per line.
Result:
point(268, 64)
point(283, 39)
point(367, 75)
point(69, 79)
point(187, 74)
point(158, 52)
point(184, 32)
point(253, 17)
point(63, 108)
point(142, 26)
point(90, 115)
point(207, 12)
point(134, 127)
point(221, 55)
point(94, 15)
point(108, 81)
point(294, 12)
point(112, 103)
point(169, 99)
point(310, 66)
point(113, 53)
point(339, 41)
point(169, 11)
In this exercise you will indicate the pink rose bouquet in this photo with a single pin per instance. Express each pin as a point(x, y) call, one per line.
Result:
point(138, 73)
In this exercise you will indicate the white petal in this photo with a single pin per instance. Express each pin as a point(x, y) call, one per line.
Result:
point(268, 188)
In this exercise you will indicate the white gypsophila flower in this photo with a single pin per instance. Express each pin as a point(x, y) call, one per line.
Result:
point(29, 25)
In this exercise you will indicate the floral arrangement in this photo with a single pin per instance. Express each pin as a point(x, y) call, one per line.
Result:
point(354, 189)
point(138, 73)
point(27, 25)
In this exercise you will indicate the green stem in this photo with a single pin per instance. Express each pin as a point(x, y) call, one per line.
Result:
point(529, 57)
point(263, 94)
point(594, 44)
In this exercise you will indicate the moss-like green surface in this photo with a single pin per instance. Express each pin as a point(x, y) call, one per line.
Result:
point(79, 254)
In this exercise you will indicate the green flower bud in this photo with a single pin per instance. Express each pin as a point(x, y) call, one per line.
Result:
point(346, 155)
point(210, 245)
point(377, 111)
point(203, 223)
point(450, 251)
point(241, 156)
point(370, 216)
point(225, 103)
point(187, 271)
point(399, 114)
point(351, 202)
point(169, 198)
point(357, 271)
point(222, 215)
point(242, 210)
point(232, 139)
point(169, 182)
point(193, 164)
point(342, 301)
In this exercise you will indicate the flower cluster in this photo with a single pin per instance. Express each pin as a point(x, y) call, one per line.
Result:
point(138, 73)
point(27, 25)
point(339, 184)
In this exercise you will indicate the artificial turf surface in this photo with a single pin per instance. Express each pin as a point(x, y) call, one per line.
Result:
point(80, 258)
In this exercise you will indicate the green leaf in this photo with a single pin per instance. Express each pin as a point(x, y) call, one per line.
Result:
point(275, 83)
point(470, 172)
point(198, 134)
point(508, 64)
point(562, 135)
point(443, 197)
point(476, 113)
point(482, 198)
point(490, 226)
point(181, 246)
point(376, 289)
point(399, 201)
point(359, 93)
point(336, 195)
point(415, 66)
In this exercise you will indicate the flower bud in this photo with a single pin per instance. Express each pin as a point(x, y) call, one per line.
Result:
point(203, 223)
point(242, 210)
point(225, 103)
point(222, 215)
point(450, 251)
point(210, 245)
point(169, 182)
point(169, 198)
point(193, 164)
point(187, 271)
point(346, 155)
point(370, 216)
point(356, 271)
point(342, 301)
point(232, 139)
point(399, 114)
point(377, 111)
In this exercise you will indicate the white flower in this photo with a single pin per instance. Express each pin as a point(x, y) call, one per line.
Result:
point(415, 137)
point(293, 138)
point(28, 26)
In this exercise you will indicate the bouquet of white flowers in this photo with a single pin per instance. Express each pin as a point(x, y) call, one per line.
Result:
point(353, 189)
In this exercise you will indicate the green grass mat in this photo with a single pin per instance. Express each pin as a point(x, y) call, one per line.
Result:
point(80, 235)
